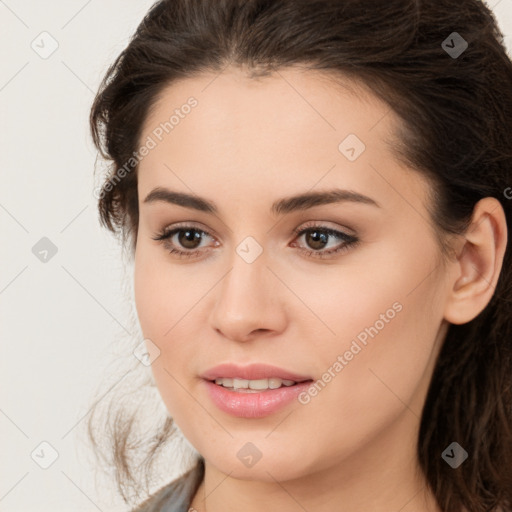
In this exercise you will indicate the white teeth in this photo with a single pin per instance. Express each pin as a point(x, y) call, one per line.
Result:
point(257, 384)
point(274, 383)
point(260, 384)
point(240, 383)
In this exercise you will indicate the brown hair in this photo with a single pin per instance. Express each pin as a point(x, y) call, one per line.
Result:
point(456, 113)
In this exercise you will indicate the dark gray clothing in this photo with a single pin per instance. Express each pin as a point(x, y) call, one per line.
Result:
point(177, 495)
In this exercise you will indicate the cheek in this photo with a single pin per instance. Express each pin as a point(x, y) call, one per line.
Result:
point(385, 315)
point(162, 292)
point(386, 318)
point(168, 298)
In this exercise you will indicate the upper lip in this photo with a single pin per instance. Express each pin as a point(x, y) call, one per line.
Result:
point(253, 371)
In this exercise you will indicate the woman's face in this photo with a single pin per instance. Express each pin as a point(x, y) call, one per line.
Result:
point(363, 324)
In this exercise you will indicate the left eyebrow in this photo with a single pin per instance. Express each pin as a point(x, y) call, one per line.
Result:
point(282, 206)
point(311, 199)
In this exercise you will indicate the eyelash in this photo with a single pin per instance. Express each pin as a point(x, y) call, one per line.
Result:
point(350, 240)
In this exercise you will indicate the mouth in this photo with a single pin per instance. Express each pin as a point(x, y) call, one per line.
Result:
point(255, 390)
point(237, 398)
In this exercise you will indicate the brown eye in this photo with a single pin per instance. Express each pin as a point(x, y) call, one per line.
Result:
point(316, 239)
point(184, 241)
point(189, 238)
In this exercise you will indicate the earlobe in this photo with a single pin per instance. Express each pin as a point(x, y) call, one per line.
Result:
point(478, 265)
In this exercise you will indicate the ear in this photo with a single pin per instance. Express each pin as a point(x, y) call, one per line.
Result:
point(478, 263)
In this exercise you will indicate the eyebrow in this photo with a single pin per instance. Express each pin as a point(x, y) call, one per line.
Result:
point(282, 206)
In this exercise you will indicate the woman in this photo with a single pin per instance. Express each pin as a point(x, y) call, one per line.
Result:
point(317, 196)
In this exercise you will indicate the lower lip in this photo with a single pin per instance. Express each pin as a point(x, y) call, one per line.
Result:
point(254, 405)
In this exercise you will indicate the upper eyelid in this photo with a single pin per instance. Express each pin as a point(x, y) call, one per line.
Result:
point(184, 225)
point(307, 225)
point(324, 225)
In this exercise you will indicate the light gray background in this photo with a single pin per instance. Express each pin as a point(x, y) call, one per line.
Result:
point(62, 319)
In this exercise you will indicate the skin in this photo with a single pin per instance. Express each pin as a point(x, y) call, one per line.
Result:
point(247, 143)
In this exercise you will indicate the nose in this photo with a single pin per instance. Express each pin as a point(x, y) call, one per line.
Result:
point(248, 302)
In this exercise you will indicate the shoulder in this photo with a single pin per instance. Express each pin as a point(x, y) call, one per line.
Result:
point(176, 495)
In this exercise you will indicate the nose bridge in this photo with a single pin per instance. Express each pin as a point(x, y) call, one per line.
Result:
point(246, 298)
point(246, 282)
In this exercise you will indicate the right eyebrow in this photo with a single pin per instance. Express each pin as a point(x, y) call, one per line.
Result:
point(181, 199)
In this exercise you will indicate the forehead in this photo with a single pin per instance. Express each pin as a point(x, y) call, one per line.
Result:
point(290, 130)
point(291, 100)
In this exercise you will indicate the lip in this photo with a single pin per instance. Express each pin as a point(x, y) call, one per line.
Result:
point(253, 405)
point(252, 371)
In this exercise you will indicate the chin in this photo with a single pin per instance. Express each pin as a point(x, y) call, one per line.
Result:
point(267, 469)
